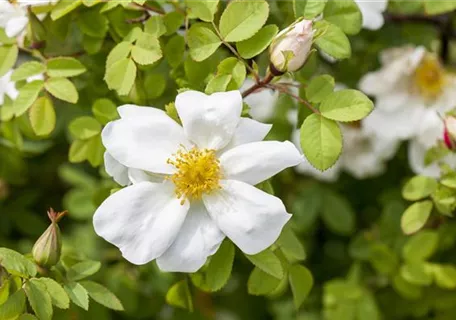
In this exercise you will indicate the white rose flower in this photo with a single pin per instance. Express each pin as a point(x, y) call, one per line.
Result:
point(410, 82)
point(372, 11)
point(13, 15)
point(209, 166)
point(297, 40)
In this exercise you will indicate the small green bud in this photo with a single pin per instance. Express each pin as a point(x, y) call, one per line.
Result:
point(47, 249)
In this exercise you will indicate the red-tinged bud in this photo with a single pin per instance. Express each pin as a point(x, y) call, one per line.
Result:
point(47, 249)
point(449, 133)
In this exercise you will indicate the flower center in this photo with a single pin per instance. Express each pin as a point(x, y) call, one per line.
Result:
point(198, 173)
point(430, 77)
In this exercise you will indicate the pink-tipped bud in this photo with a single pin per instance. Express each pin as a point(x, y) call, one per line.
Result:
point(449, 133)
point(47, 249)
point(291, 47)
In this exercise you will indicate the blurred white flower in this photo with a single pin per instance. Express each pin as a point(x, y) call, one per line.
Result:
point(209, 167)
point(410, 83)
point(372, 11)
point(7, 87)
point(13, 15)
point(363, 155)
point(431, 131)
point(295, 40)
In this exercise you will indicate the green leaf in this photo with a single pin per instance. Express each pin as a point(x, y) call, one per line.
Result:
point(27, 316)
point(62, 89)
point(261, 283)
point(64, 67)
point(242, 19)
point(83, 270)
point(78, 294)
point(405, 288)
point(258, 43)
point(84, 127)
point(59, 297)
point(119, 52)
point(95, 151)
point(175, 50)
point(301, 282)
point(155, 84)
point(42, 116)
point(420, 246)
point(416, 273)
point(332, 40)
point(4, 291)
point(202, 9)
point(179, 296)
point(344, 14)
point(121, 76)
point(14, 306)
point(27, 69)
point(104, 111)
point(202, 41)
point(419, 187)
point(416, 216)
point(268, 262)
point(8, 57)
point(291, 246)
point(308, 9)
point(445, 276)
point(16, 263)
point(147, 49)
point(337, 214)
point(218, 84)
point(321, 141)
point(319, 88)
point(173, 21)
point(218, 271)
point(232, 66)
point(63, 8)
point(346, 105)
point(93, 23)
point(102, 295)
point(383, 259)
point(39, 299)
point(433, 7)
point(78, 151)
point(155, 26)
point(27, 96)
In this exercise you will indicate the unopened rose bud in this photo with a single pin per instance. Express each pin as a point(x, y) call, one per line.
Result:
point(291, 47)
point(47, 249)
point(449, 134)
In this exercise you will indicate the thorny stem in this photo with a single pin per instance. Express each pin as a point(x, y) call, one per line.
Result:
point(234, 51)
point(259, 84)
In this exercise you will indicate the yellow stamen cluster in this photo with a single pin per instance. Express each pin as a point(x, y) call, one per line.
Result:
point(430, 77)
point(198, 173)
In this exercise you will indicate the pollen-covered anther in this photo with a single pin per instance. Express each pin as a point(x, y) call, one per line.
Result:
point(430, 77)
point(198, 173)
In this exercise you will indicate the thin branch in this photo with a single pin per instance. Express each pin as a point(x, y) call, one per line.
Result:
point(279, 88)
point(234, 51)
point(149, 8)
point(259, 84)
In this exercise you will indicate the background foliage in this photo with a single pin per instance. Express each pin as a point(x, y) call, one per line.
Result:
point(344, 255)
